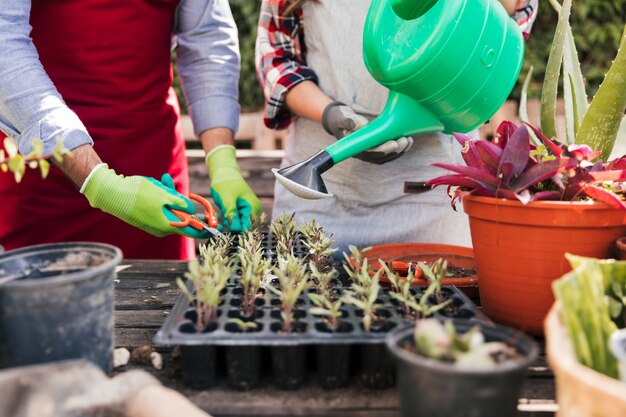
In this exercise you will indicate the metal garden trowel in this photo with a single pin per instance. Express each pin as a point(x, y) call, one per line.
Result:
point(448, 64)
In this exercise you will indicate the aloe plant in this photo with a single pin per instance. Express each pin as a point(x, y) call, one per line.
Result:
point(596, 125)
point(284, 230)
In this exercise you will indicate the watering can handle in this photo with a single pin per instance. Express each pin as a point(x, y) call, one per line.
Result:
point(411, 9)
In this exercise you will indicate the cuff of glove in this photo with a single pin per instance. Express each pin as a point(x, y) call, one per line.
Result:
point(93, 171)
point(325, 115)
point(223, 156)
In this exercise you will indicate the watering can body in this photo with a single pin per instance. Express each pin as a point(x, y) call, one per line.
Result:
point(448, 64)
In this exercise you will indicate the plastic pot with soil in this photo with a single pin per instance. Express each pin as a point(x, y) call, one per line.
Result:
point(56, 303)
point(479, 379)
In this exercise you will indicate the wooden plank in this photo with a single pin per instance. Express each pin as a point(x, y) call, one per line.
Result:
point(150, 319)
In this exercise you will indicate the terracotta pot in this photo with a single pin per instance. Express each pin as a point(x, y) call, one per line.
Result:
point(404, 253)
point(580, 391)
point(519, 250)
point(620, 248)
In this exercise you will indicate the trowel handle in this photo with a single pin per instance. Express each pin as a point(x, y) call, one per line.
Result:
point(402, 116)
point(411, 9)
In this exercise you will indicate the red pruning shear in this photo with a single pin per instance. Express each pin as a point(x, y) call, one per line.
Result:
point(206, 221)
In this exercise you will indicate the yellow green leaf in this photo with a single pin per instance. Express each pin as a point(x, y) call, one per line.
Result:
point(4, 167)
point(44, 166)
point(10, 147)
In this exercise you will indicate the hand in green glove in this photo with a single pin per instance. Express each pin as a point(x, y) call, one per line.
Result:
point(140, 201)
point(230, 191)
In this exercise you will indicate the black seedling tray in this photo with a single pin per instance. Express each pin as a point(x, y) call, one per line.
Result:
point(338, 357)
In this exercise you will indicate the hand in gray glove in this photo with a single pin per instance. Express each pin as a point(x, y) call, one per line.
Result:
point(340, 120)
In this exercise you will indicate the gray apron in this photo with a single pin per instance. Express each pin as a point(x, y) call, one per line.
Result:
point(369, 206)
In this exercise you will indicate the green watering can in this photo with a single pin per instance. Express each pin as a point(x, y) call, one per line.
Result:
point(448, 64)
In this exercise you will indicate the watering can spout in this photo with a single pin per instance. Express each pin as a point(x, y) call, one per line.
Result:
point(402, 116)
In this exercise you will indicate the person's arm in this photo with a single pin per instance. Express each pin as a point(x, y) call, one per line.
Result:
point(30, 105)
point(208, 64)
point(524, 12)
point(289, 86)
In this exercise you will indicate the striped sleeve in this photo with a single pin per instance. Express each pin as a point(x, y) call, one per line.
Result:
point(525, 15)
point(279, 60)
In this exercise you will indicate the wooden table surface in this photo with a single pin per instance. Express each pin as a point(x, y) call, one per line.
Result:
point(145, 291)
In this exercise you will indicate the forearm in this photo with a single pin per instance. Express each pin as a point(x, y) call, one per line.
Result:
point(212, 138)
point(79, 164)
point(306, 99)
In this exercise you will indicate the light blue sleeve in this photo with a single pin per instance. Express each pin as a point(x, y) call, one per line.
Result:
point(30, 106)
point(208, 62)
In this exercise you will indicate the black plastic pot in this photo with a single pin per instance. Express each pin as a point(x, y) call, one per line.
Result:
point(377, 366)
point(430, 388)
point(289, 366)
point(243, 364)
point(198, 366)
point(56, 303)
point(333, 365)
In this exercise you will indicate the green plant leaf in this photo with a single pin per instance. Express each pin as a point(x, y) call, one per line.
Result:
point(574, 82)
point(603, 119)
point(553, 68)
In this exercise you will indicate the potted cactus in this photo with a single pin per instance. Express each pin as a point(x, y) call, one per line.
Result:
point(457, 369)
point(581, 328)
point(529, 203)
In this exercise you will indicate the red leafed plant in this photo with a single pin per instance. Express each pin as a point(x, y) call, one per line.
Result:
point(512, 167)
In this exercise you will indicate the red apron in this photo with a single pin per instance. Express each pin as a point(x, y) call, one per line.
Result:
point(110, 60)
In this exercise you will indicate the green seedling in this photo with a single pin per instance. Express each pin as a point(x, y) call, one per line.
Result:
point(322, 280)
point(435, 273)
point(327, 308)
point(293, 279)
point(414, 307)
point(216, 251)
point(319, 245)
point(253, 269)
point(284, 230)
point(244, 326)
point(208, 280)
point(468, 350)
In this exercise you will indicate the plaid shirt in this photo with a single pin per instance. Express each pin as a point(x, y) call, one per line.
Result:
point(280, 54)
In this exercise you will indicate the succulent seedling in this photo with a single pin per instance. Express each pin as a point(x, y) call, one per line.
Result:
point(254, 267)
point(293, 279)
point(208, 280)
point(284, 230)
point(319, 245)
point(216, 251)
point(322, 280)
point(244, 326)
point(327, 308)
point(468, 350)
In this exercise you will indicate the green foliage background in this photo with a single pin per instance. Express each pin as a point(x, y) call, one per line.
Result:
point(597, 26)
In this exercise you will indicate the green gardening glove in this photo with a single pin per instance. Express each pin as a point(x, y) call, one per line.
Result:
point(230, 191)
point(141, 201)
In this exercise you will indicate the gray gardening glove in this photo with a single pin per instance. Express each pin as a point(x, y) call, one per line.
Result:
point(339, 120)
